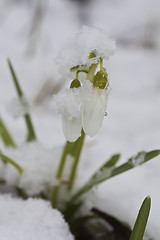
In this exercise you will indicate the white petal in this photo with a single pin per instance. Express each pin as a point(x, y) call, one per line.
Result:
point(71, 127)
point(93, 111)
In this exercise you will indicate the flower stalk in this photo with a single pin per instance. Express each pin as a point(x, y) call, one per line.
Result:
point(60, 172)
point(76, 161)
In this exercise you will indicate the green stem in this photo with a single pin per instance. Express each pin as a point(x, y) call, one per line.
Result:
point(60, 172)
point(76, 161)
point(6, 136)
point(63, 159)
point(79, 71)
point(54, 196)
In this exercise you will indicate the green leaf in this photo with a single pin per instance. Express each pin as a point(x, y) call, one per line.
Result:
point(108, 165)
point(31, 133)
point(5, 135)
point(9, 160)
point(15, 80)
point(110, 171)
point(141, 221)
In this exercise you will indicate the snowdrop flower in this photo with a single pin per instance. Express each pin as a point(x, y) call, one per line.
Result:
point(85, 102)
point(69, 104)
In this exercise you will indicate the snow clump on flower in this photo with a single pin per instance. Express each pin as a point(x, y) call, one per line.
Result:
point(86, 40)
point(69, 104)
point(69, 101)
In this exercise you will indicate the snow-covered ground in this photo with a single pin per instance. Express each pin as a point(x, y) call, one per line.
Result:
point(133, 120)
point(31, 219)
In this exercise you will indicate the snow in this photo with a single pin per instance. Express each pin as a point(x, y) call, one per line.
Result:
point(18, 107)
point(132, 124)
point(86, 40)
point(69, 101)
point(32, 219)
point(39, 166)
point(137, 160)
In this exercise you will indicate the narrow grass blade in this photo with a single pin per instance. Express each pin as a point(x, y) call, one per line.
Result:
point(15, 79)
point(135, 161)
point(31, 133)
point(110, 171)
point(9, 160)
point(141, 221)
point(5, 135)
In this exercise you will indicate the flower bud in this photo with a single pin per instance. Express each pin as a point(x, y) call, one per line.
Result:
point(75, 83)
point(100, 80)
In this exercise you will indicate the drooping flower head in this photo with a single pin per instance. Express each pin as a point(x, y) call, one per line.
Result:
point(84, 104)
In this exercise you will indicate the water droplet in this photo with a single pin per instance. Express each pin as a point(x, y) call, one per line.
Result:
point(105, 114)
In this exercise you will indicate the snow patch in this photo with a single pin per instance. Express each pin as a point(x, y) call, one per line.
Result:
point(32, 219)
point(39, 165)
point(18, 107)
point(87, 40)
